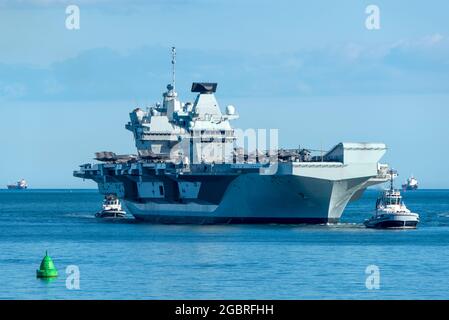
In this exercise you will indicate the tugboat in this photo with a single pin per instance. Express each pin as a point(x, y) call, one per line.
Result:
point(391, 212)
point(20, 185)
point(410, 184)
point(112, 208)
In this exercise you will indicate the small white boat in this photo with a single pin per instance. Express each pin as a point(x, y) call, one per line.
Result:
point(112, 208)
point(391, 212)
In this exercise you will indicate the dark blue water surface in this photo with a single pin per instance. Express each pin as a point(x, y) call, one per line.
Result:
point(130, 260)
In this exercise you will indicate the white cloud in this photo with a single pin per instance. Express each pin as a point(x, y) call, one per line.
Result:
point(13, 90)
point(422, 42)
point(353, 51)
point(303, 87)
point(435, 38)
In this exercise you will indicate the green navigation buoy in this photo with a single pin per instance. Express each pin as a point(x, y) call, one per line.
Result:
point(47, 268)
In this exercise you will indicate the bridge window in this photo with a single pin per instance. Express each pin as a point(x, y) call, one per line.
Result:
point(161, 190)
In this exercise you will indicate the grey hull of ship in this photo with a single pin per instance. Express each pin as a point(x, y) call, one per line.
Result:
point(254, 198)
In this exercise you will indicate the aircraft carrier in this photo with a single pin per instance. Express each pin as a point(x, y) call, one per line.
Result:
point(189, 169)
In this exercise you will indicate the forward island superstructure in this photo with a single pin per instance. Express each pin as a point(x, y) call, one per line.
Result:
point(188, 169)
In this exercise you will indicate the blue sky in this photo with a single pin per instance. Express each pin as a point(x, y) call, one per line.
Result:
point(311, 69)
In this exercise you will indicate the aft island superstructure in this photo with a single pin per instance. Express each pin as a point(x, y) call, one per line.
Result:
point(188, 169)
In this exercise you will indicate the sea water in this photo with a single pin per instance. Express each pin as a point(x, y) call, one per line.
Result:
point(127, 259)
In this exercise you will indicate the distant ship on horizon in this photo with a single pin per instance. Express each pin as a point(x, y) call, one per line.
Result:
point(20, 185)
point(410, 184)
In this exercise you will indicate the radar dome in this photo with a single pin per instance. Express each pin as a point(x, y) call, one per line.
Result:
point(230, 110)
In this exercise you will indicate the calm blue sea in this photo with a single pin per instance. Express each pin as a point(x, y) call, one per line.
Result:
point(130, 260)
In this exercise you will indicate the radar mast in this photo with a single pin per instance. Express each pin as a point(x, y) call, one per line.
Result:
point(173, 62)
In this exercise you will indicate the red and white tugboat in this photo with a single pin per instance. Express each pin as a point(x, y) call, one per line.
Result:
point(391, 212)
point(112, 208)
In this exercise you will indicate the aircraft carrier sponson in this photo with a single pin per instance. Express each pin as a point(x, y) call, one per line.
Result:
point(188, 170)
